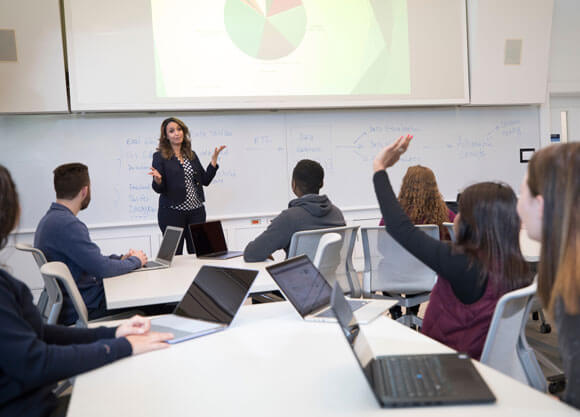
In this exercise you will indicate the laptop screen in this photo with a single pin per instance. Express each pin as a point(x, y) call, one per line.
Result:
point(216, 294)
point(353, 333)
point(169, 243)
point(208, 238)
point(302, 283)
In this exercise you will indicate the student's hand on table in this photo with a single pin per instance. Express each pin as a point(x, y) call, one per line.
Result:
point(139, 254)
point(155, 174)
point(135, 325)
point(216, 152)
point(390, 154)
point(148, 342)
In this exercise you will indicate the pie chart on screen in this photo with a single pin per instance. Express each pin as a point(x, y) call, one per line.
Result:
point(265, 29)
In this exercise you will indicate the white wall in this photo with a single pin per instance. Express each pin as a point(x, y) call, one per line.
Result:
point(564, 78)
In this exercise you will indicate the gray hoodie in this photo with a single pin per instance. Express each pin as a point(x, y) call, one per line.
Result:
point(311, 211)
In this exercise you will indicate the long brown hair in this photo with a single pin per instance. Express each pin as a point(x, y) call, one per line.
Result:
point(489, 229)
point(554, 173)
point(9, 208)
point(165, 147)
point(420, 197)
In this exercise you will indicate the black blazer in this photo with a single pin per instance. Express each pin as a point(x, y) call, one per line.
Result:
point(172, 187)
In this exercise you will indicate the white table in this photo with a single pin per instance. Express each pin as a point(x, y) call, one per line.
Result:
point(169, 284)
point(270, 362)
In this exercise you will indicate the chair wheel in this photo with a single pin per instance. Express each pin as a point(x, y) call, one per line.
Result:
point(545, 328)
point(556, 383)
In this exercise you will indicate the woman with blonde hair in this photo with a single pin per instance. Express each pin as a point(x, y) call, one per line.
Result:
point(549, 207)
point(421, 200)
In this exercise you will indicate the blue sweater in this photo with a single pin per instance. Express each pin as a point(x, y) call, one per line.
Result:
point(34, 356)
point(61, 236)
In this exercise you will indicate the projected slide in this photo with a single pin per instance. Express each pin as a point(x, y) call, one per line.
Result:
point(248, 48)
point(269, 33)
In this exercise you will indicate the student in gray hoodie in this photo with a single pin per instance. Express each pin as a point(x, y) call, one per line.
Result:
point(309, 211)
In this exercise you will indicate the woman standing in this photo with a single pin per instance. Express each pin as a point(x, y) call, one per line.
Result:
point(549, 207)
point(179, 177)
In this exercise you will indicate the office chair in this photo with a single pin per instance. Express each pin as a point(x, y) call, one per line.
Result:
point(506, 348)
point(307, 242)
point(391, 269)
point(50, 301)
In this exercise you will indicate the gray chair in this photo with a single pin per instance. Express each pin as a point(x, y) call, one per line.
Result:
point(60, 272)
point(390, 268)
point(306, 242)
point(50, 301)
point(327, 256)
point(506, 348)
point(449, 227)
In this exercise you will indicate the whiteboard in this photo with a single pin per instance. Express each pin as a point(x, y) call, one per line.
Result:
point(461, 145)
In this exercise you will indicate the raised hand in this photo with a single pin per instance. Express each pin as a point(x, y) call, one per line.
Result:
point(148, 342)
point(390, 154)
point(155, 174)
point(216, 152)
point(135, 325)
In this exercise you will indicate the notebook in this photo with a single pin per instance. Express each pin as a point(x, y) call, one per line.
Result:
point(412, 380)
point(309, 292)
point(209, 305)
point(166, 250)
point(209, 241)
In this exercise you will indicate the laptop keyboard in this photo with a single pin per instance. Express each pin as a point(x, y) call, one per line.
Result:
point(354, 305)
point(418, 376)
point(151, 264)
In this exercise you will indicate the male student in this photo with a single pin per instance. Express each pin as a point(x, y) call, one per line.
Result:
point(61, 236)
point(309, 211)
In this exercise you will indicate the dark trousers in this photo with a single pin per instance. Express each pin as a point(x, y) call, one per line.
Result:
point(178, 218)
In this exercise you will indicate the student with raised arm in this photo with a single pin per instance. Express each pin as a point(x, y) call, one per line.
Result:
point(484, 263)
point(549, 206)
point(179, 177)
point(63, 237)
point(35, 356)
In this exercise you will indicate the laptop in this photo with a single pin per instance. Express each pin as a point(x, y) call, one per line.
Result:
point(209, 305)
point(209, 241)
point(166, 250)
point(309, 292)
point(412, 380)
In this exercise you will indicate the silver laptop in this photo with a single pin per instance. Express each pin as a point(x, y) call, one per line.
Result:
point(309, 292)
point(166, 250)
point(209, 305)
point(209, 241)
point(412, 380)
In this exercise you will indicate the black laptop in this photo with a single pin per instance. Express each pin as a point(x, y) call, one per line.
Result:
point(209, 241)
point(412, 380)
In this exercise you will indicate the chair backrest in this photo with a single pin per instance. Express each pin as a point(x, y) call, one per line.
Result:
point(390, 267)
point(327, 256)
point(506, 347)
point(60, 272)
point(449, 227)
point(306, 243)
point(50, 301)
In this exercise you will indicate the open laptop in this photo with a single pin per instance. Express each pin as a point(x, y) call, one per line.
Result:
point(209, 305)
point(309, 292)
point(166, 250)
point(209, 241)
point(412, 380)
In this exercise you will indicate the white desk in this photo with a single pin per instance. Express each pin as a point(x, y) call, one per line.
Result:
point(270, 362)
point(530, 248)
point(168, 285)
